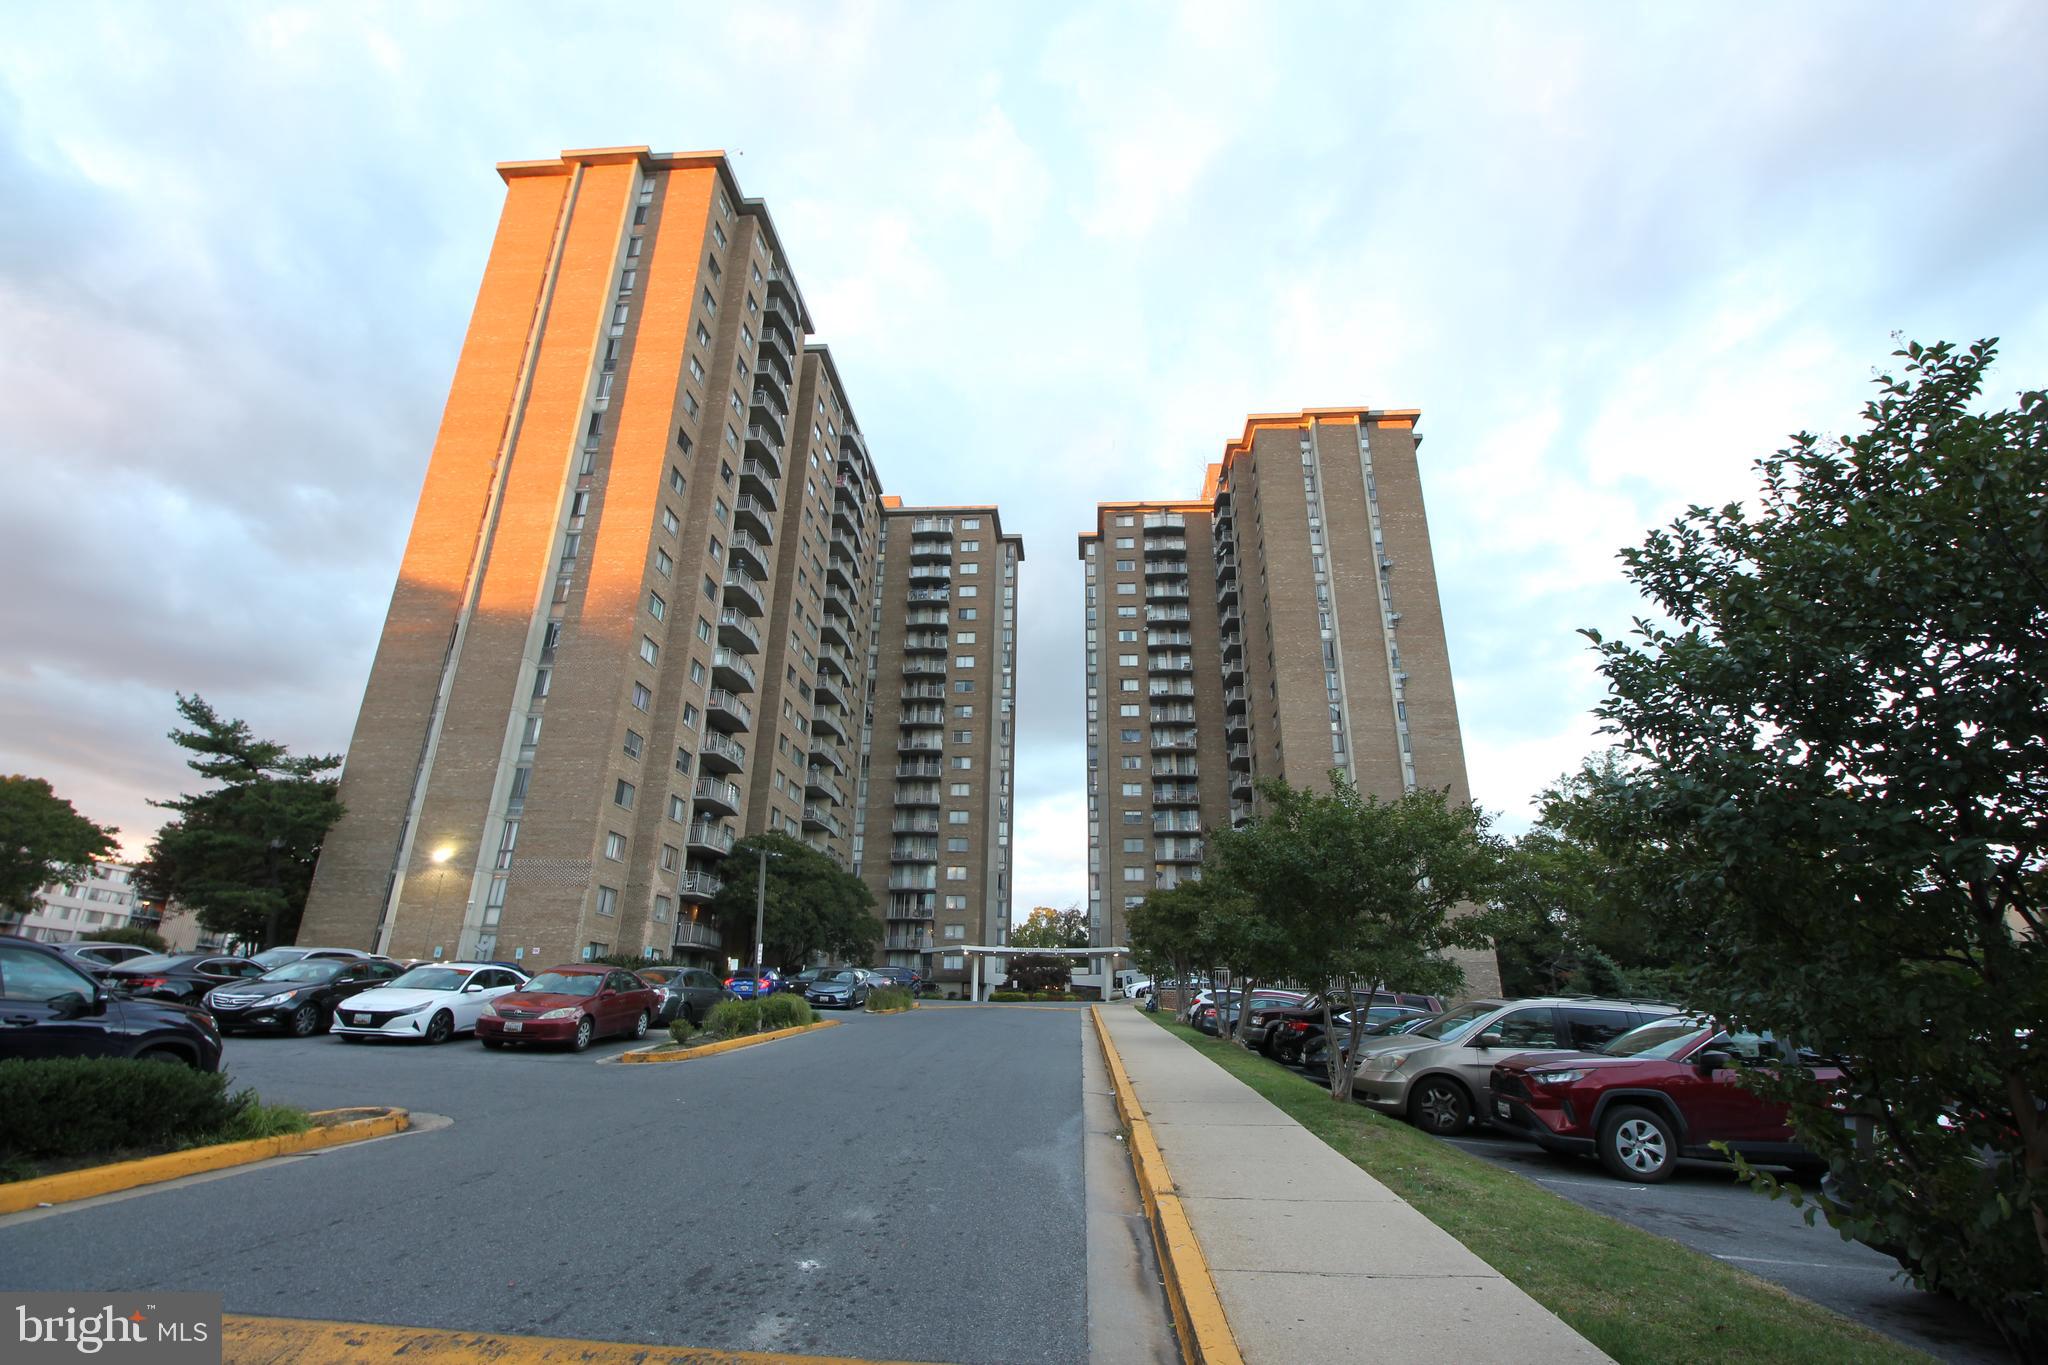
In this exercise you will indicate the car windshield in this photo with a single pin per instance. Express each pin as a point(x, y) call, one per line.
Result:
point(1658, 1040)
point(160, 962)
point(1452, 1025)
point(430, 979)
point(660, 975)
point(277, 957)
point(310, 970)
point(844, 976)
point(564, 983)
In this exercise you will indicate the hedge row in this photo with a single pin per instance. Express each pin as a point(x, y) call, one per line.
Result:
point(738, 1018)
point(87, 1106)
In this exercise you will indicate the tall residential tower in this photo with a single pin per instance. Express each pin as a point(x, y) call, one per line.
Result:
point(1283, 624)
point(631, 622)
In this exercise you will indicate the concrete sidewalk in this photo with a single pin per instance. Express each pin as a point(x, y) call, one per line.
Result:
point(1314, 1260)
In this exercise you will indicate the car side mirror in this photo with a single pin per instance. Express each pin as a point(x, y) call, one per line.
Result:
point(472, 990)
point(1714, 1059)
point(1487, 1040)
point(70, 1006)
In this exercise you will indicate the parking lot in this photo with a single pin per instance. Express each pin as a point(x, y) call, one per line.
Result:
point(905, 1187)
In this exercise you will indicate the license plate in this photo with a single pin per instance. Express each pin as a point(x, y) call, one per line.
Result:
point(1500, 1107)
point(514, 1026)
point(362, 1018)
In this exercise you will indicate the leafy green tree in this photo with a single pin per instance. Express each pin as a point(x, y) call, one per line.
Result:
point(1841, 725)
point(812, 906)
point(1359, 894)
point(241, 855)
point(1046, 927)
point(1165, 930)
point(128, 933)
point(43, 840)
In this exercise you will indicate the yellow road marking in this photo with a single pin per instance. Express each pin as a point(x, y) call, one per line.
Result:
point(1205, 1335)
point(724, 1044)
point(306, 1341)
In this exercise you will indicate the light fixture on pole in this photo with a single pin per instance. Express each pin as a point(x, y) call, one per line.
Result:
point(761, 903)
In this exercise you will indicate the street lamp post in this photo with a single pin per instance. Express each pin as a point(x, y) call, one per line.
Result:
point(761, 905)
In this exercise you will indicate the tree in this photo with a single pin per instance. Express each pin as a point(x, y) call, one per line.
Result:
point(1841, 731)
point(1359, 894)
point(43, 841)
point(812, 906)
point(1165, 931)
point(1046, 927)
point(241, 856)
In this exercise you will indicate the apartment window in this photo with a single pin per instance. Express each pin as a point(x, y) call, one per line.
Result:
point(1126, 566)
point(634, 743)
point(964, 685)
point(718, 235)
point(1128, 684)
point(1127, 521)
point(961, 789)
point(661, 908)
point(1127, 590)
point(963, 712)
point(1134, 789)
point(1134, 845)
point(627, 280)
point(1134, 817)
point(607, 902)
point(969, 590)
point(615, 846)
point(1132, 762)
point(970, 568)
point(671, 857)
point(696, 671)
point(642, 698)
point(669, 523)
point(956, 845)
point(958, 817)
point(963, 736)
point(1127, 661)
point(1126, 542)
point(633, 248)
point(710, 303)
point(969, 546)
point(618, 320)
point(954, 962)
point(956, 873)
point(969, 613)
point(690, 714)
point(703, 629)
point(1134, 874)
point(1129, 709)
point(622, 794)
point(710, 587)
point(964, 637)
point(682, 760)
point(676, 809)
point(970, 523)
point(963, 760)
point(649, 650)
point(507, 841)
point(656, 607)
point(676, 482)
point(1131, 736)
point(703, 335)
point(718, 507)
point(963, 661)
point(532, 735)
point(956, 931)
point(956, 902)
point(1126, 612)
point(541, 679)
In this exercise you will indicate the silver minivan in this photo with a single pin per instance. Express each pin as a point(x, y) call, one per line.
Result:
point(1433, 1075)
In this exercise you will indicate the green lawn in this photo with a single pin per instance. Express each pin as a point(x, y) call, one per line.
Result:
point(1635, 1295)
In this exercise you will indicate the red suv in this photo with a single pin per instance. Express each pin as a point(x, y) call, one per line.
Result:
point(1659, 1092)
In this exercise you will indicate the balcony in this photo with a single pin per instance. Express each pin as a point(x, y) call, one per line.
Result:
point(916, 742)
point(1155, 615)
point(718, 796)
point(931, 594)
point(1175, 767)
point(1166, 590)
point(1165, 741)
point(743, 591)
point(698, 885)
point(732, 671)
point(839, 572)
point(1165, 521)
point(757, 478)
point(1176, 794)
point(926, 642)
point(910, 906)
point(1240, 814)
point(1226, 566)
point(919, 767)
point(692, 933)
point(923, 692)
point(914, 879)
point(751, 514)
point(736, 632)
point(770, 396)
point(1169, 639)
point(1237, 727)
point(1229, 619)
point(924, 668)
point(706, 837)
point(926, 550)
point(1226, 593)
point(1162, 566)
point(934, 528)
point(928, 616)
point(914, 851)
point(832, 628)
point(843, 603)
point(851, 546)
point(727, 711)
point(933, 717)
point(1177, 850)
point(1182, 688)
point(1240, 786)
point(829, 720)
point(778, 363)
point(1235, 699)
point(779, 320)
point(913, 941)
point(1232, 652)
point(914, 824)
point(819, 783)
point(764, 442)
point(828, 690)
point(750, 554)
point(1172, 663)
point(1176, 822)
point(831, 660)
point(1240, 756)
point(818, 818)
point(830, 753)
point(932, 575)
point(721, 753)
point(917, 793)
point(847, 513)
point(1173, 713)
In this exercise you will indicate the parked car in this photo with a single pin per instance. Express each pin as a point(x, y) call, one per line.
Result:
point(683, 993)
point(1434, 1076)
point(749, 986)
point(1314, 1055)
point(183, 977)
point(95, 959)
point(271, 958)
point(1663, 1091)
point(429, 1003)
point(844, 989)
point(1279, 1031)
point(1216, 1017)
point(299, 998)
point(909, 978)
point(569, 1005)
point(50, 1008)
point(1137, 988)
point(801, 982)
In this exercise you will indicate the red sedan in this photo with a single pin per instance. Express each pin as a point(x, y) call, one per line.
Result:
point(570, 1006)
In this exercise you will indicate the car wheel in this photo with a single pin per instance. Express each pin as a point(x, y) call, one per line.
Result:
point(305, 1020)
point(640, 1025)
point(492, 1043)
point(1639, 1144)
point(1440, 1106)
point(441, 1027)
point(584, 1033)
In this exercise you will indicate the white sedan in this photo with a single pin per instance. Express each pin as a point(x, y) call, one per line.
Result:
point(433, 1002)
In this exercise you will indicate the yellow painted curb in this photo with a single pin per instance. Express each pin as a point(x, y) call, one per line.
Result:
point(303, 1341)
point(152, 1170)
point(725, 1044)
point(1205, 1335)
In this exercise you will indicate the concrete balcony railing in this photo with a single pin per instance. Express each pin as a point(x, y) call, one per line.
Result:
point(695, 934)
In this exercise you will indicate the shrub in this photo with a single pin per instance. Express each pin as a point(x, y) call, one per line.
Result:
point(128, 933)
point(680, 1028)
point(890, 999)
point(261, 1121)
point(785, 1011)
point(734, 1018)
point(85, 1106)
point(1004, 996)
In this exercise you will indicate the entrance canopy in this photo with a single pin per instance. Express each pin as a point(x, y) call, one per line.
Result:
point(977, 951)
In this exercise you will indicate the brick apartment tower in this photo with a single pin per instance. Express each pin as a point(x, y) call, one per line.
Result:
point(627, 624)
point(1283, 624)
point(939, 752)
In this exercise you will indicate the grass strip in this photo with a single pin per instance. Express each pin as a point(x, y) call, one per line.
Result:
point(1637, 1296)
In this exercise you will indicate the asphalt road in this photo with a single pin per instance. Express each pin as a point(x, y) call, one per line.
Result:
point(1703, 1207)
point(908, 1187)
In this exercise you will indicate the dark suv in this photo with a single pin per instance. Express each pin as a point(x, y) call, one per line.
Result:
point(1657, 1093)
point(49, 1008)
point(1282, 1031)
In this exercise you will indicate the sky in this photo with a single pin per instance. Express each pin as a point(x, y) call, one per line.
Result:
point(1614, 254)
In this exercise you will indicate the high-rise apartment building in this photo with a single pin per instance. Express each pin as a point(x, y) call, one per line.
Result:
point(1284, 624)
point(933, 843)
point(630, 621)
